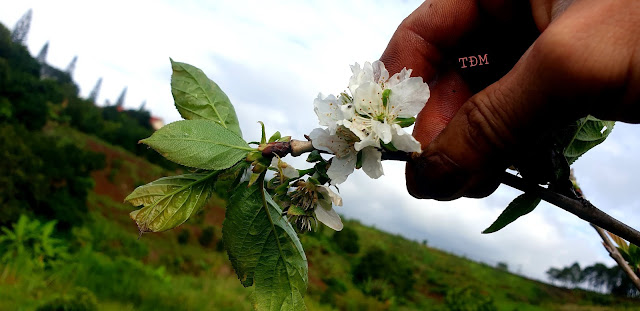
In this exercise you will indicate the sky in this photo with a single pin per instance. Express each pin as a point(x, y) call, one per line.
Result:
point(272, 58)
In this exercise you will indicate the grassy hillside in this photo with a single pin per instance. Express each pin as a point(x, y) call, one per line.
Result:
point(360, 268)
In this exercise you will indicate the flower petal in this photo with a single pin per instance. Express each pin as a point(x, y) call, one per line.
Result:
point(368, 141)
point(360, 76)
point(404, 141)
point(404, 74)
point(408, 97)
point(335, 198)
point(341, 168)
point(329, 217)
point(328, 110)
point(380, 73)
point(382, 130)
point(368, 99)
point(372, 162)
point(322, 140)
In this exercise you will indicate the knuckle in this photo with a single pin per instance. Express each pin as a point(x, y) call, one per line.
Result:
point(488, 125)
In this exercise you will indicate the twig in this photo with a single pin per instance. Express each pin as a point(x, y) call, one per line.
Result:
point(615, 254)
point(299, 147)
point(581, 208)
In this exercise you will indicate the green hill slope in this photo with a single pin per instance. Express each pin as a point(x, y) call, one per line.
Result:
point(360, 268)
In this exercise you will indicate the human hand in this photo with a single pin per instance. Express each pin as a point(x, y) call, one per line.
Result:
point(550, 62)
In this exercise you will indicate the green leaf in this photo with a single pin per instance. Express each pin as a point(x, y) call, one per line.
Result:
point(314, 156)
point(197, 97)
point(634, 255)
point(199, 143)
point(589, 133)
point(275, 137)
point(520, 206)
point(264, 250)
point(263, 140)
point(406, 122)
point(170, 201)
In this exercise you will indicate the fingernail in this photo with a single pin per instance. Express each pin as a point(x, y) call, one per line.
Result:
point(435, 176)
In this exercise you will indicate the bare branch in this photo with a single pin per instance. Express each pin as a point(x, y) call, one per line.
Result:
point(615, 254)
point(581, 208)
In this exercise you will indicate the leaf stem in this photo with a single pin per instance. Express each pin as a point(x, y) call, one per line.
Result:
point(581, 208)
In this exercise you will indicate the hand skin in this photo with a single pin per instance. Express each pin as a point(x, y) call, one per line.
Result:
point(550, 62)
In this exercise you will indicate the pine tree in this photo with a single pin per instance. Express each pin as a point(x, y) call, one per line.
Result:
point(42, 56)
point(72, 66)
point(120, 102)
point(93, 96)
point(21, 30)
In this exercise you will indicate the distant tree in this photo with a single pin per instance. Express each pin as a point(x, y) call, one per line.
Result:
point(93, 96)
point(206, 237)
point(347, 240)
point(598, 277)
point(21, 30)
point(120, 101)
point(42, 55)
point(502, 266)
point(72, 66)
point(379, 265)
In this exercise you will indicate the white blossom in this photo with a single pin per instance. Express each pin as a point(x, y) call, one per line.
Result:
point(369, 119)
point(342, 145)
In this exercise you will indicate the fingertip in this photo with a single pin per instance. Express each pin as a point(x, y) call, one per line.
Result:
point(435, 176)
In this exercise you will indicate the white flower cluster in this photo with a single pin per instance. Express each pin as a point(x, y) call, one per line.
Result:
point(371, 118)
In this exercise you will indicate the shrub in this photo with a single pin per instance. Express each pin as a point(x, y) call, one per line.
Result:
point(468, 299)
point(206, 237)
point(44, 176)
point(31, 239)
point(347, 240)
point(382, 267)
point(183, 236)
point(79, 299)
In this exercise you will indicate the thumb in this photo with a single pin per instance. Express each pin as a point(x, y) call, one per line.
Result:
point(467, 156)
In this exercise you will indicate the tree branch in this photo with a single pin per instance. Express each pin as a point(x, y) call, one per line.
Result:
point(581, 208)
point(615, 254)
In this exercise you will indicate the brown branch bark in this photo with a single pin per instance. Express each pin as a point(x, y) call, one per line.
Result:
point(615, 254)
point(581, 208)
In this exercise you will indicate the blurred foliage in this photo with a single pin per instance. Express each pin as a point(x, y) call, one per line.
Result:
point(31, 239)
point(206, 237)
point(383, 274)
point(183, 236)
point(44, 176)
point(347, 240)
point(468, 299)
point(79, 299)
point(597, 276)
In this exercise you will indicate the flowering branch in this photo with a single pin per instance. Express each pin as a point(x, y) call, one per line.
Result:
point(359, 128)
point(579, 207)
